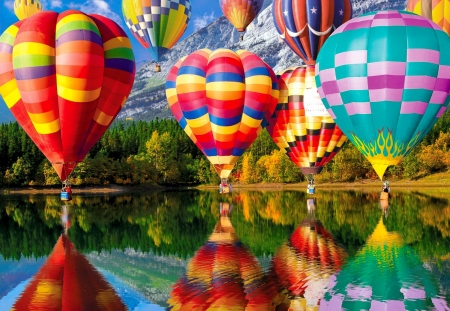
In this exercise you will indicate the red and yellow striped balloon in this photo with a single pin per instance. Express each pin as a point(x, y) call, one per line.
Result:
point(224, 275)
point(68, 281)
point(65, 78)
point(436, 10)
point(221, 99)
point(301, 126)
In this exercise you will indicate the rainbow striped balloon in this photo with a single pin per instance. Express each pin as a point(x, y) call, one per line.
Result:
point(65, 78)
point(241, 13)
point(301, 126)
point(157, 24)
point(436, 10)
point(224, 275)
point(26, 8)
point(221, 99)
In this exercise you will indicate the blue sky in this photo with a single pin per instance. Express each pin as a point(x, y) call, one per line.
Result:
point(203, 13)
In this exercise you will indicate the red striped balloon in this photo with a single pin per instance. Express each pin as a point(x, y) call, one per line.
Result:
point(301, 126)
point(65, 78)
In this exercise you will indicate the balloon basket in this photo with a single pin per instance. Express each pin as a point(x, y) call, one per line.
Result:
point(225, 189)
point(66, 196)
point(310, 190)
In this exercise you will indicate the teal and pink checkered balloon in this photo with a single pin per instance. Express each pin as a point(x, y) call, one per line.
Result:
point(385, 79)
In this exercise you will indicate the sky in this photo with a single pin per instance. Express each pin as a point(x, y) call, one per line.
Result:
point(203, 13)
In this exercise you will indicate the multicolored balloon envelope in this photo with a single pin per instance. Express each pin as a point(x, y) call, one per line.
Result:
point(157, 24)
point(241, 13)
point(26, 8)
point(223, 275)
point(221, 98)
point(303, 265)
point(385, 79)
point(67, 281)
point(436, 10)
point(385, 275)
point(65, 78)
point(301, 126)
point(305, 25)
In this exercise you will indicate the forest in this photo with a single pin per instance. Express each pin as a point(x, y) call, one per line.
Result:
point(159, 152)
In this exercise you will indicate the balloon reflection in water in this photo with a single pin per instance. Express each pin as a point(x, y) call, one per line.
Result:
point(223, 275)
point(385, 275)
point(305, 263)
point(67, 281)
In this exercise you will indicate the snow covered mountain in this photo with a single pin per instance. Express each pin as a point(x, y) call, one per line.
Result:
point(148, 100)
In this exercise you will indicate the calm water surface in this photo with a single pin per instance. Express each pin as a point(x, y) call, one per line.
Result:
point(254, 250)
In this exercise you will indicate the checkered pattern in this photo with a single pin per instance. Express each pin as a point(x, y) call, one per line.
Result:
point(385, 78)
point(150, 23)
point(385, 274)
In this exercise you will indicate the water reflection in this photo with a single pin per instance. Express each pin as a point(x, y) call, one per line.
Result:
point(304, 264)
point(67, 281)
point(386, 274)
point(223, 275)
point(143, 242)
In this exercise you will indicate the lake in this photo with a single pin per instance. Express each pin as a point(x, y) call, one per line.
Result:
point(252, 250)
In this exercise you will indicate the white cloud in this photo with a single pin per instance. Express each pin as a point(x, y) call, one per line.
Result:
point(56, 3)
point(200, 22)
point(100, 7)
point(9, 4)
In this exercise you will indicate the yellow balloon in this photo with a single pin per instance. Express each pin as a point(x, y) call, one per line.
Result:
point(25, 8)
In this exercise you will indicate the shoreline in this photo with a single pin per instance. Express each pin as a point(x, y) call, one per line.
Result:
point(439, 180)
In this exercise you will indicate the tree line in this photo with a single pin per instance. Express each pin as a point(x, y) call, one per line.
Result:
point(159, 152)
point(263, 221)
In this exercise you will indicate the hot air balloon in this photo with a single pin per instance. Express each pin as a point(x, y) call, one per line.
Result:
point(65, 78)
point(67, 281)
point(384, 79)
point(304, 265)
point(25, 8)
point(224, 275)
point(305, 25)
point(241, 13)
point(385, 275)
point(220, 99)
point(156, 24)
point(301, 126)
point(436, 10)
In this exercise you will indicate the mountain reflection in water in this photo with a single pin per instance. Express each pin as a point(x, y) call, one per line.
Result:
point(278, 250)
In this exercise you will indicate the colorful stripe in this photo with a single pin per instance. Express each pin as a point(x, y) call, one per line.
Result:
point(69, 74)
point(157, 25)
point(385, 83)
point(241, 13)
point(301, 126)
point(221, 99)
point(223, 275)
